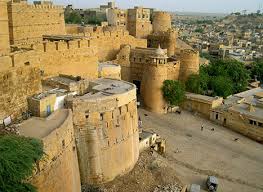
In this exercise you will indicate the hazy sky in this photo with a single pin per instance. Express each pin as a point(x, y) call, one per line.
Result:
point(220, 6)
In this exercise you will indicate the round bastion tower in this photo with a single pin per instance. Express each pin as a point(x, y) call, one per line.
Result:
point(161, 21)
point(171, 45)
point(152, 82)
point(189, 63)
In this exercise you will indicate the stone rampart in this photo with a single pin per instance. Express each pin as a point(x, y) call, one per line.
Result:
point(28, 22)
point(19, 78)
point(106, 129)
point(58, 170)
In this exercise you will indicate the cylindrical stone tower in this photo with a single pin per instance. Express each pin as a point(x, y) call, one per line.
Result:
point(161, 21)
point(171, 45)
point(189, 63)
point(154, 76)
point(4, 29)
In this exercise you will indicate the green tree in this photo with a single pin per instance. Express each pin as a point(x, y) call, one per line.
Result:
point(199, 30)
point(173, 92)
point(257, 70)
point(198, 83)
point(73, 17)
point(222, 86)
point(18, 156)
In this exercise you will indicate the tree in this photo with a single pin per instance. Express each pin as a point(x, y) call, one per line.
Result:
point(257, 70)
point(211, 78)
point(73, 17)
point(222, 86)
point(173, 92)
point(18, 156)
point(199, 30)
point(198, 83)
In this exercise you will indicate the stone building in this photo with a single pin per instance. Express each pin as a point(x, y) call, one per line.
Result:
point(201, 104)
point(117, 17)
point(147, 68)
point(242, 113)
point(138, 22)
point(106, 130)
point(42, 105)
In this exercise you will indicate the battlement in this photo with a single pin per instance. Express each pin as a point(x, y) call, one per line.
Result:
point(19, 58)
point(49, 46)
point(17, 5)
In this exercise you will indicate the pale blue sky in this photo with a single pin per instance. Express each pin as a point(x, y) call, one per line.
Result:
point(220, 6)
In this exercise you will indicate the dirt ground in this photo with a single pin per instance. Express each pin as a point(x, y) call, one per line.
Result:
point(151, 172)
point(194, 154)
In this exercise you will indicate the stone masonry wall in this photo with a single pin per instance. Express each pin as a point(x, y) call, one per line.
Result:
point(75, 58)
point(107, 136)
point(4, 32)
point(17, 83)
point(59, 171)
point(27, 23)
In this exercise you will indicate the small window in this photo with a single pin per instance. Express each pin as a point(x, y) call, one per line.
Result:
point(87, 116)
point(217, 116)
point(45, 47)
point(78, 44)
point(101, 116)
point(260, 124)
point(89, 43)
point(27, 63)
point(63, 143)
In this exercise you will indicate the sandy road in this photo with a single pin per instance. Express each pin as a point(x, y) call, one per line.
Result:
point(196, 154)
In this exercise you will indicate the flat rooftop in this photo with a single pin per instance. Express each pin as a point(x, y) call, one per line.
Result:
point(201, 97)
point(41, 127)
point(108, 65)
point(243, 109)
point(62, 80)
point(105, 87)
point(250, 92)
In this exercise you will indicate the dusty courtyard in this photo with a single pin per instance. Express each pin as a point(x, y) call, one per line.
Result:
point(194, 154)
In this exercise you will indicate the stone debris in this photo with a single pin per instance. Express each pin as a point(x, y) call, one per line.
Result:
point(168, 188)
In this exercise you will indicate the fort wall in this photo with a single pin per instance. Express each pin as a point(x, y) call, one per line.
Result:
point(167, 40)
point(106, 131)
point(77, 58)
point(27, 22)
point(109, 43)
point(189, 63)
point(58, 170)
point(19, 78)
point(123, 59)
point(80, 57)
